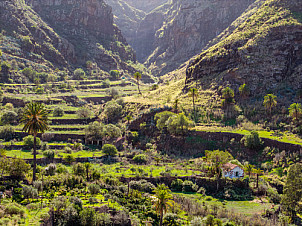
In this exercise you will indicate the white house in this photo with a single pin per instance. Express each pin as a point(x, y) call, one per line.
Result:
point(232, 171)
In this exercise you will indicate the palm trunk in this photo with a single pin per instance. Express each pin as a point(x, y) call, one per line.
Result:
point(35, 157)
point(257, 180)
point(139, 91)
point(161, 218)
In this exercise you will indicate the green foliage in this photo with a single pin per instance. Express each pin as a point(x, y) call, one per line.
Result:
point(84, 113)
point(113, 111)
point(109, 150)
point(69, 159)
point(295, 111)
point(29, 192)
point(29, 73)
point(244, 91)
point(18, 167)
point(252, 140)
point(79, 74)
point(176, 185)
point(189, 186)
point(9, 117)
point(113, 93)
point(58, 112)
point(179, 124)
point(228, 97)
point(115, 74)
point(29, 141)
point(14, 209)
point(270, 101)
point(291, 200)
point(112, 131)
point(161, 119)
point(49, 154)
point(7, 132)
point(140, 159)
point(94, 189)
point(94, 131)
point(79, 169)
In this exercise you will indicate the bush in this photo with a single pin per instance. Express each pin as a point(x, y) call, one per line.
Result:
point(106, 83)
point(142, 185)
point(103, 219)
point(13, 209)
point(113, 93)
point(79, 74)
point(113, 111)
point(49, 154)
point(58, 112)
point(79, 169)
point(29, 141)
point(94, 189)
point(51, 169)
point(109, 150)
point(140, 159)
point(115, 74)
point(172, 219)
point(69, 159)
point(7, 132)
point(252, 141)
point(9, 117)
point(29, 192)
point(84, 113)
point(176, 185)
point(189, 186)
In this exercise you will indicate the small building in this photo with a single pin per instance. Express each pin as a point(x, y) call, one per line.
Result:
point(232, 171)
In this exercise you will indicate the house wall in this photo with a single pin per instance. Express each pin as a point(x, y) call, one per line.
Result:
point(232, 173)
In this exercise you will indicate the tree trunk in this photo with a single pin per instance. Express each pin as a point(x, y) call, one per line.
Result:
point(257, 180)
point(139, 91)
point(35, 157)
point(161, 218)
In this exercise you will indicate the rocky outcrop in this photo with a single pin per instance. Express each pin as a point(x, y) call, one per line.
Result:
point(49, 34)
point(88, 25)
point(187, 28)
point(264, 51)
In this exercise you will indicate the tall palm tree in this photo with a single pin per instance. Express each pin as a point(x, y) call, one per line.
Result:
point(270, 102)
point(249, 169)
point(193, 92)
point(258, 173)
point(244, 91)
point(138, 76)
point(35, 119)
point(295, 111)
point(228, 95)
point(163, 200)
point(175, 106)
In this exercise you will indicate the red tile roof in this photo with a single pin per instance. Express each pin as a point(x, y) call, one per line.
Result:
point(229, 166)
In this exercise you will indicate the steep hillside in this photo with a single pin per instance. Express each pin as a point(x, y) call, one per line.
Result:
point(187, 27)
point(63, 34)
point(264, 51)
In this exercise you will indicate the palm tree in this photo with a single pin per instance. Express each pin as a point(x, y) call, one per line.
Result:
point(35, 119)
point(138, 76)
point(87, 168)
point(163, 200)
point(175, 106)
point(249, 169)
point(228, 95)
point(193, 92)
point(270, 102)
point(295, 111)
point(258, 172)
point(244, 91)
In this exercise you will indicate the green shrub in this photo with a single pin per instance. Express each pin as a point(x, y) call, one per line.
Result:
point(252, 141)
point(58, 112)
point(94, 189)
point(29, 192)
point(9, 117)
point(115, 74)
point(79, 74)
point(189, 186)
point(14, 209)
point(84, 113)
point(106, 83)
point(140, 159)
point(29, 141)
point(49, 154)
point(176, 185)
point(7, 132)
point(109, 150)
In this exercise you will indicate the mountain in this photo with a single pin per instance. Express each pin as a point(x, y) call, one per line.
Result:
point(262, 48)
point(146, 5)
point(63, 34)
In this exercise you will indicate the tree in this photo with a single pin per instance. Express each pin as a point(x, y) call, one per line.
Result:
point(58, 112)
point(79, 74)
point(35, 118)
point(9, 117)
point(248, 168)
point(112, 131)
point(115, 74)
point(161, 119)
point(163, 200)
point(94, 131)
point(109, 150)
point(194, 94)
point(84, 113)
point(244, 91)
point(217, 159)
point(87, 169)
point(113, 111)
point(128, 118)
point(252, 140)
point(18, 167)
point(270, 102)
point(175, 105)
point(295, 111)
point(258, 173)
point(138, 76)
point(179, 124)
point(292, 198)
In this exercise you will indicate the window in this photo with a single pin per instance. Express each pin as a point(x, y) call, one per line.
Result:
point(236, 174)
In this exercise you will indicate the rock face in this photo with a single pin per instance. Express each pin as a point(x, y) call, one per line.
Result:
point(187, 28)
point(88, 26)
point(63, 34)
point(264, 51)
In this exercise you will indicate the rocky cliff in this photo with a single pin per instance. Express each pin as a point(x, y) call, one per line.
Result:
point(63, 33)
point(146, 5)
point(187, 27)
point(263, 50)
